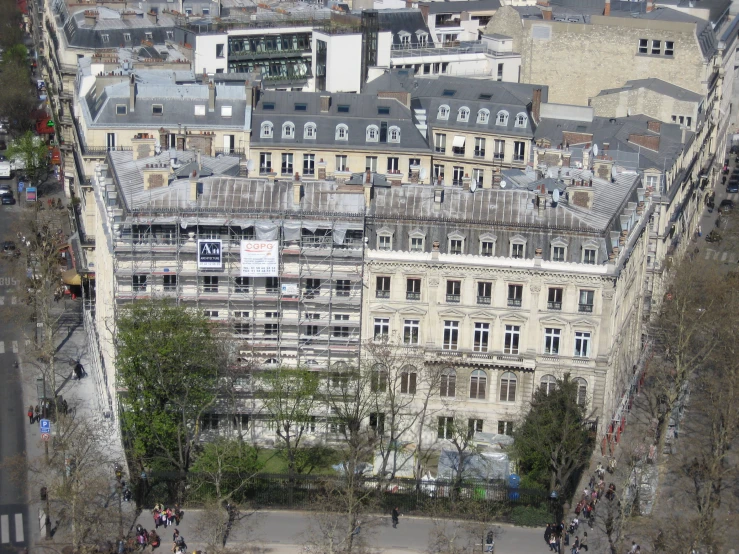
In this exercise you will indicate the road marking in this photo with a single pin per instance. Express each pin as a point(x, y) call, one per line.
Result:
point(15, 347)
point(14, 300)
point(2, 347)
point(4, 531)
point(708, 254)
point(2, 300)
point(19, 537)
point(28, 343)
point(724, 256)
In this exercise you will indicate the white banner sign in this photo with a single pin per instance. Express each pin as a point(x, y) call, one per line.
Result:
point(210, 254)
point(259, 258)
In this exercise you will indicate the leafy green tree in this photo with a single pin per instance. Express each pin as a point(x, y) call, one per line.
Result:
point(16, 54)
point(289, 397)
point(168, 362)
point(33, 154)
point(554, 435)
point(226, 465)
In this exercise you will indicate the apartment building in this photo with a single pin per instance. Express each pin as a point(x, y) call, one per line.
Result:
point(503, 290)
point(320, 135)
point(299, 307)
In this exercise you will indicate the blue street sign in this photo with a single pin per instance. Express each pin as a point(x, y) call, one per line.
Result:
point(21, 184)
point(44, 425)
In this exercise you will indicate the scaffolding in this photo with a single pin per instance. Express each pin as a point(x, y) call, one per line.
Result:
point(308, 316)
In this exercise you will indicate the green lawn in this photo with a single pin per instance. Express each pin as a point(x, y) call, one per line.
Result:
point(274, 463)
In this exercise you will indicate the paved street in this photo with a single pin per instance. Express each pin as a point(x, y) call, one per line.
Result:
point(283, 532)
point(13, 421)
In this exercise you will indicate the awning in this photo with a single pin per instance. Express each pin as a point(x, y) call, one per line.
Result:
point(71, 277)
point(458, 141)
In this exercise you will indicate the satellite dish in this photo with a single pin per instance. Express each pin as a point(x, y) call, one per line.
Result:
point(250, 165)
point(503, 184)
point(555, 196)
point(473, 186)
point(595, 150)
point(422, 174)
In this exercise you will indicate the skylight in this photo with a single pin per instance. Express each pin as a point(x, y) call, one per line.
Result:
point(448, 92)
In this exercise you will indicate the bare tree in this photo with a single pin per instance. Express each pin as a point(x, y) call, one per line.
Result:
point(462, 536)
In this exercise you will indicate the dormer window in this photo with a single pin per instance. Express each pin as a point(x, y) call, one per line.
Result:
point(590, 253)
point(444, 112)
point(518, 247)
point(288, 130)
point(463, 114)
point(309, 131)
point(559, 250)
point(393, 134)
point(373, 133)
point(342, 132)
point(423, 37)
point(483, 116)
point(405, 38)
point(521, 120)
point(502, 118)
point(266, 130)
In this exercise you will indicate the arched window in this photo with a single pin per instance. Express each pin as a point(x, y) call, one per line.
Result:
point(310, 131)
point(483, 116)
point(582, 391)
point(443, 112)
point(521, 120)
point(508, 383)
point(448, 386)
point(271, 361)
point(548, 384)
point(478, 384)
point(393, 134)
point(373, 133)
point(342, 132)
point(288, 130)
point(378, 379)
point(408, 380)
point(502, 118)
point(463, 114)
point(266, 131)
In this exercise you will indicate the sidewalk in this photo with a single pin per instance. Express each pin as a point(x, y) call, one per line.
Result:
point(285, 532)
point(81, 395)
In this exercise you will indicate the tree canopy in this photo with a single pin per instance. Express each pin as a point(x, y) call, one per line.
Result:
point(168, 362)
point(31, 151)
point(553, 442)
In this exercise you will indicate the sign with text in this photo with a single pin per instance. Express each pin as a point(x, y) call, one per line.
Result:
point(210, 254)
point(260, 258)
point(31, 194)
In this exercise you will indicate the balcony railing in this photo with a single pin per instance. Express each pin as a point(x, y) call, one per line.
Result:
point(484, 300)
point(514, 302)
point(453, 298)
point(585, 308)
point(554, 305)
point(240, 152)
point(498, 155)
point(412, 295)
point(103, 150)
point(480, 153)
point(440, 149)
point(382, 294)
point(457, 151)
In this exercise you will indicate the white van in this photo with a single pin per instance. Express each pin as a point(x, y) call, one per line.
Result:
point(5, 170)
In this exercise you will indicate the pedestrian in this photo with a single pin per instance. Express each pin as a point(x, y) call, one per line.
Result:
point(65, 407)
point(155, 513)
point(700, 231)
point(170, 517)
point(175, 535)
point(553, 543)
point(395, 516)
point(30, 415)
point(547, 533)
point(633, 547)
point(154, 540)
point(37, 412)
point(584, 541)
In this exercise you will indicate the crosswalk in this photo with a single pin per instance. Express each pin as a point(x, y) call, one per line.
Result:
point(13, 300)
point(13, 345)
point(11, 529)
point(718, 256)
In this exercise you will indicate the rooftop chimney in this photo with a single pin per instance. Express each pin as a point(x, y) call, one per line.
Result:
point(131, 93)
point(205, 77)
point(607, 9)
point(211, 97)
point(580, 193)
point(650, 5)
point(325, 103)
point(152, 17)
point(654, 126)
point(367, 187)
point(546, 10)
point(194, 186)
point(536, 105)
point(91, 17)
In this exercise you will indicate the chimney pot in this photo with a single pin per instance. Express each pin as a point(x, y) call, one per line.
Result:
point(607, 9)
point(211, 97)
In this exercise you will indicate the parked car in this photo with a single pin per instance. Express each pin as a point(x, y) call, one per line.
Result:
point(725, 206)
point(8, 248)
point(733, 186)
point(713, 236)
point(8, 200)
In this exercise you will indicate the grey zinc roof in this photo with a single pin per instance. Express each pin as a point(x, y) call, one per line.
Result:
point(223, 192)
point(407, 20)
point(615, 132)
point(430, 93)
point(459, 6)
point(362, 113)
point(504, 207)
point(660, 87)
point(120, 32)
point(178, 103)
